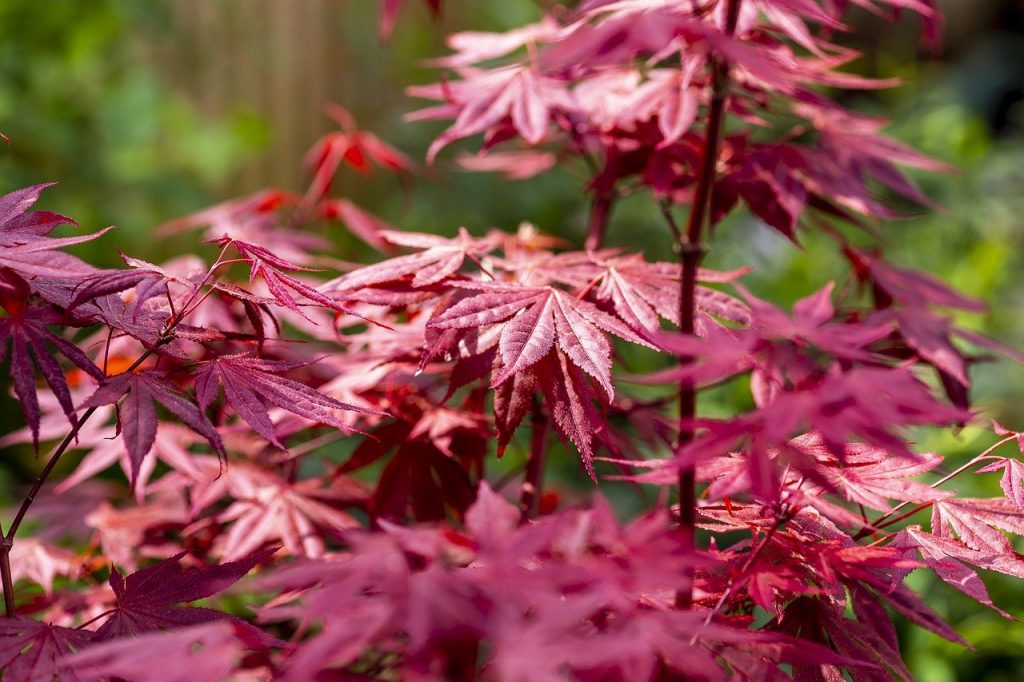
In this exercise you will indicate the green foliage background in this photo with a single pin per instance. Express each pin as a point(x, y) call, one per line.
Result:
point(84, 106)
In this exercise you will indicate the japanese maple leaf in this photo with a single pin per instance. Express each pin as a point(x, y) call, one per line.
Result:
point(1012, 481)
point(269, 509)
point(541, 318)
point(812, 322)
point(871, 476)
point(150, 599)
point(142, 391)
point(31, 650)
point(252, 385)
point(641, 291)
point(441, 257)
point(979, 523)
point(207, 652)
point(947, 558)
point(124, 533)
point(170, 447)
point(486, 98)
point(24, 332)
point(40, 562)
point(418, 474)
point(360, 223)
point(24, 246)
point(350, 146)
point(19, 225)
point(282, 286)
point(147, 278)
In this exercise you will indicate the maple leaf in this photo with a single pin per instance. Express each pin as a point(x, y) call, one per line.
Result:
point(440, 258)
point(418, 473)
point(150, 599)
point(870, 476)
point(812, 322)
point(541, 318)
point(124, 533)
point(24, 332)
point(282, 286)
point(486, 98)
point(351, 146)
point(31, 650)
point(208, 652)
point(947, 556)
point(142, 390)
point(360, 223)
point(1012, 481)
point(979, 523)
point(251, 385)
point(40, 562)
point(641, 291)
point(24, 246)
point(170, 446)
point(268, 508)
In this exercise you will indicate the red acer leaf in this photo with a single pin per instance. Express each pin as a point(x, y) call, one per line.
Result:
point(541, 317)
point(207, 652)
point(353, 147)
point(25, 334)
point(142, 390)
point(947, 558)
point(440, 259)
point(150, 599)
point(570, 400)
point(31, 650)
point(269, 509)
point(979, 523)
point(252, 385)
point(282, 286)
point(41, 562)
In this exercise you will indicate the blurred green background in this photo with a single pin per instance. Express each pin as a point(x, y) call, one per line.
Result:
point(145, 111)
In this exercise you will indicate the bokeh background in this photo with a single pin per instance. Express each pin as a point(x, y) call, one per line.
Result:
point(145, 111)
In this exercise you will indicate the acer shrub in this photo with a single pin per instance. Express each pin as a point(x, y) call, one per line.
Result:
point(220, 382)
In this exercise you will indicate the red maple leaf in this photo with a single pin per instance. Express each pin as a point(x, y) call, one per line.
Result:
point(251, 385)
point(142, 390)
point(31, 650)
point(25, 332)
point(150, 599)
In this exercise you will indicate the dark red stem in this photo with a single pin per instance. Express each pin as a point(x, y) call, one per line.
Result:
point(600, 213)
point(533, 482)
point(691, 252)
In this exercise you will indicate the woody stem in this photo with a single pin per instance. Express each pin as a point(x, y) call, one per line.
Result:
point(691, 251)
point(535, 465)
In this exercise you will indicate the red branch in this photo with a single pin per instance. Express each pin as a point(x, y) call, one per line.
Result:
point(691, 252)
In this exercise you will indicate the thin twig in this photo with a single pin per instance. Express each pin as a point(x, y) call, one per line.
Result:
point(7, 541)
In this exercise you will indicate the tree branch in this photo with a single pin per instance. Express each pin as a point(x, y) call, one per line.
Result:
point(691, 252)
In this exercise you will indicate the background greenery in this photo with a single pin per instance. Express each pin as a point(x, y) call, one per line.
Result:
point(145, 111)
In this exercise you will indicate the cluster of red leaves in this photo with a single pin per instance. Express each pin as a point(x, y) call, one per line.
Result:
point(222, 388)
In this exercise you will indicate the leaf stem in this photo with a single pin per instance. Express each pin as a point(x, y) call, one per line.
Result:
point(691, 252)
